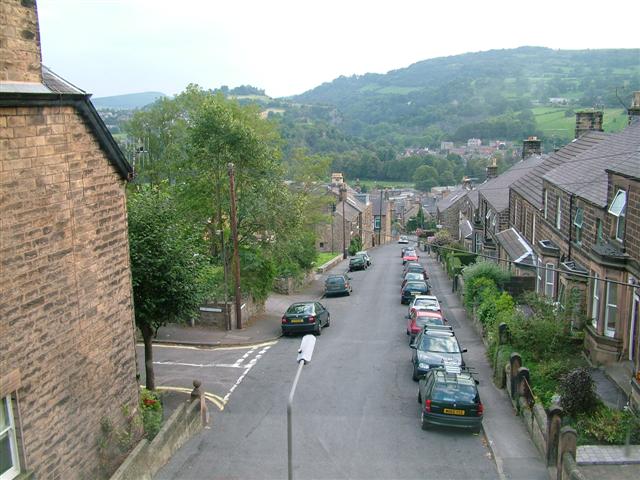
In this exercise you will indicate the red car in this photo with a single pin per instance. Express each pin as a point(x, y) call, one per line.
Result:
point(409, 257)
point(418, 319)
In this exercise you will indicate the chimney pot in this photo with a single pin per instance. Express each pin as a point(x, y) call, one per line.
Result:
point(634, 110)
point(531, 146)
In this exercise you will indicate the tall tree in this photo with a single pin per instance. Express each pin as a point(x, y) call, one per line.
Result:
point(169, 269)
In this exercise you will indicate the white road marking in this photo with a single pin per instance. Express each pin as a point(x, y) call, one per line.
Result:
point(200, 365)
point(248, 367)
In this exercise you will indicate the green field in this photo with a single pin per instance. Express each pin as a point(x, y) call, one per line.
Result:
point(374, 184)
point(553, 121)
point(324, 257)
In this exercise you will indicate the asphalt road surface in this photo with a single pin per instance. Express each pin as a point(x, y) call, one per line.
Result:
point(355, 412)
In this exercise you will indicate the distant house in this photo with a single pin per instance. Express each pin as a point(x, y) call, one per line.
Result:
point(381, 211)
point(67, 339)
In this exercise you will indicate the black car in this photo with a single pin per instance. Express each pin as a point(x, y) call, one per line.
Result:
point(338, 284)
point(449, 397)
point(357, 262)
point(411, 289)
point(433, 348)
point(305, 317)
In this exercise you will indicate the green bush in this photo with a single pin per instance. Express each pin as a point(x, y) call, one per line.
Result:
point(607, 426)
point(355, 245)
point(488, 270)
point(474, 288)
point(538, 337)
point(151, 409)
point(578, 392)
point(546, 375)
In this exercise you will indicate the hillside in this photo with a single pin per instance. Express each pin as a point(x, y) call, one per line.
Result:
point(485, 94)
point(131, 101)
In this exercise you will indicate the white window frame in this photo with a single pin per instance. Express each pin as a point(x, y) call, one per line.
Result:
point(595, 301)
point(611, 309)
point(9, 431)
point(549, 280)
point(559, 212)
point(539, 284)
point(618, 209)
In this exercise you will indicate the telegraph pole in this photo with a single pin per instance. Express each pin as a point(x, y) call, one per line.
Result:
point(236, 252)
point(380, 219)
point(343, 191)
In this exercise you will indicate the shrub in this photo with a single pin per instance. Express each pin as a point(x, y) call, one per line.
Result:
point(547, 375)
point(608, 426)
point(474, 288)
point(538, 337)
point(151, 408)
point(577, 391)
point(486, 269)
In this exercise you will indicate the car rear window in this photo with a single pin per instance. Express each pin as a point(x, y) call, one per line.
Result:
point(335, 281)
point(422, 321)
point(416, 286)
point(454, 391)
point(297, 309)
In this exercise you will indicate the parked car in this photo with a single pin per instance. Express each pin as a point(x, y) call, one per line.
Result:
point(427, 302)
point(366, 257)
point(357, 262)
point(410, 256)
point(403, 239)
point(305, 317)
point(412, 277)
point(416, 266)
point(449, 397)
point(411, 289)
point(418, 319)
point(337, 284)
point(435, 348)
point(406, 249)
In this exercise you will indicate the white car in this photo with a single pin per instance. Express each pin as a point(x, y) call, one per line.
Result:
point(425, 302)
point(366, 256)
point(403, 239)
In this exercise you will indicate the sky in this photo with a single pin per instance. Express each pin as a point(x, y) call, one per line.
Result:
point(286, 47)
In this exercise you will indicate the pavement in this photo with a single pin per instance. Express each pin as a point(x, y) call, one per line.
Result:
point(513, 450)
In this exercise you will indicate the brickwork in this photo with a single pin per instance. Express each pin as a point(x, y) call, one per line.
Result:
point(20, 57)
point(65, 287)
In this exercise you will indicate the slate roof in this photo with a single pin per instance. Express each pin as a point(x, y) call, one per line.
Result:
point(585, 175)
point(351, 212)
point(375, 205)
point(473, 197)
point(496, 190)
point(58, 84)
point(517, 248)
point(530, 185)
point(629, 166)
point(452, 198)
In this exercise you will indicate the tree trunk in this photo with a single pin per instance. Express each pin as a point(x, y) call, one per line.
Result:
point(147, 335)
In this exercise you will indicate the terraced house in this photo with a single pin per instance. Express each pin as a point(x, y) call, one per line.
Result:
point(67, 346)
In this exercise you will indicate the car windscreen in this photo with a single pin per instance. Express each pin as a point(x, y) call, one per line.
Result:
point(421, 321)
point(335, 281)
point(413, 276)
point(454, 391)
point(425, 303)
point(439, 344)
point(416, 286)
point(299, 309)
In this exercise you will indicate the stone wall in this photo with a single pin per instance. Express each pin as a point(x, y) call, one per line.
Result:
point(66, 308)
point(20, 56)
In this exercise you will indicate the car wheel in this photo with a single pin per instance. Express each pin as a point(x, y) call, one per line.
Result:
point(419, 397)
point(415, 374)
point(425, 425)
point(318, 331)
point(476, 429)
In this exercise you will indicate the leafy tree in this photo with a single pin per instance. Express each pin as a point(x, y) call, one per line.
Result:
point(425, 178)
point(169, 268)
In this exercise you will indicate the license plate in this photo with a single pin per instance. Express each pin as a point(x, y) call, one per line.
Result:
point(413, 294)
point(453, 411)
point(297, 320)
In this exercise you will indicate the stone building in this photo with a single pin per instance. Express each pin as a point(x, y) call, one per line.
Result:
point(67, 346)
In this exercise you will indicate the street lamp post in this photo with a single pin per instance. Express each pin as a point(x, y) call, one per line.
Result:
point(304, 356)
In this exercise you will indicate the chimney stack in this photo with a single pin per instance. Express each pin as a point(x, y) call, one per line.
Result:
point(20, 54)
point(634, 110)
point(588, 120)
point(492, 170)
point(531, 146)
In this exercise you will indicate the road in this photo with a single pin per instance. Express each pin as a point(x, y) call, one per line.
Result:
point(355, 412)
